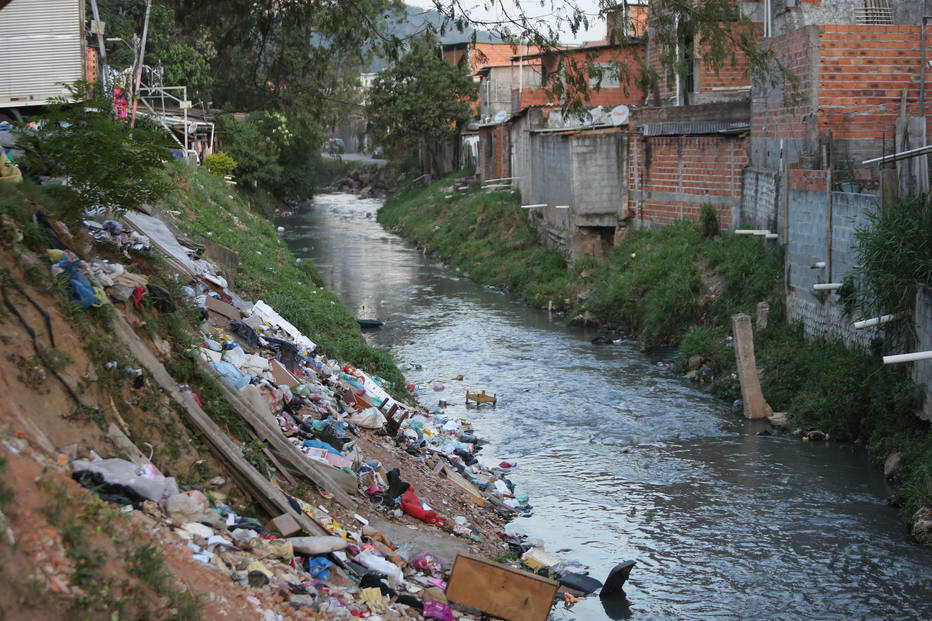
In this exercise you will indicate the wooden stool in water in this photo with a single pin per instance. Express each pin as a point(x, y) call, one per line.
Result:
point(480, 398)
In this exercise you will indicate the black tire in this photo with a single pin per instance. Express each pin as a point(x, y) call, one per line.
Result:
point(10, 115)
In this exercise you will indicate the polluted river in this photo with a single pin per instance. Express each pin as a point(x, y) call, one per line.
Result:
point(622, 458)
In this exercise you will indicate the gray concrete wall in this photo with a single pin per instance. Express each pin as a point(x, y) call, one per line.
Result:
point(760, 200)
point(807, 246)
point(550, 161)
point(599, 188)
point(522, 151)
point(922, 370)
point(552, 184)
point(495, 90)
point(586, 172)
point(839, 12)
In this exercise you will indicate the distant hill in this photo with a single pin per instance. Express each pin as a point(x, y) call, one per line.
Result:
point(417, 20)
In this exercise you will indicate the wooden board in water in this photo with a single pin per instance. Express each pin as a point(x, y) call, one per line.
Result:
point(499, 590)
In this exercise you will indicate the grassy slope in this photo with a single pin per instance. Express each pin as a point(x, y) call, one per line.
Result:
point(212, 210)
point(675, 286)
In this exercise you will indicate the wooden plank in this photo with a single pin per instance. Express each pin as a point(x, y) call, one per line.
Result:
point(283, 375)
point(464, 484)
point(271, 498)
point(499, 590)
point(226, 312)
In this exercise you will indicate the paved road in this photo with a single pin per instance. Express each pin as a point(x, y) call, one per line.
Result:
point(355, 157)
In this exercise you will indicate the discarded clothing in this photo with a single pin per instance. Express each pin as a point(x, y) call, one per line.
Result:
point(246, 333)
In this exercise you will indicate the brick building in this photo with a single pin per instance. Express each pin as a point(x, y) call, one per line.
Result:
point(689, 143)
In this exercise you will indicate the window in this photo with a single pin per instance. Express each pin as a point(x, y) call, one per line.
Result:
point(609, 76)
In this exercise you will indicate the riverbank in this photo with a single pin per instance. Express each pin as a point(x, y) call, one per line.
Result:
point(679, 286)
point(130, 373)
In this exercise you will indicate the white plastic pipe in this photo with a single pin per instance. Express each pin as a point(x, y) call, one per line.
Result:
point(827, 286)
point(534, 206)
point(771, 236)
point(817, 266)
point(561, 206)
point(917, 355)
point(752, 232)
point(876, 321)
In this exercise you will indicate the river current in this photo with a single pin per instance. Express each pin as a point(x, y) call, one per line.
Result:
point(623, 459)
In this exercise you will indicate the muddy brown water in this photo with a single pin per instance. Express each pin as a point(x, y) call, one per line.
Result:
point(623, 459)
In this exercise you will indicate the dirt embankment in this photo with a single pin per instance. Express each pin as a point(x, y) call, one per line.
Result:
point(72, 391)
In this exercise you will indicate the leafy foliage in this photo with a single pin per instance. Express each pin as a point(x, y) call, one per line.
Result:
point(288, 56)
point(420, 101)
point(184, 54)
point(895, 257)
point(274, 153)
point(220, 164)
point(106, 163)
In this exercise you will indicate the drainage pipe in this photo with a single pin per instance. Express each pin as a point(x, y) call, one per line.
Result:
point(876, 321)
point(916, 355)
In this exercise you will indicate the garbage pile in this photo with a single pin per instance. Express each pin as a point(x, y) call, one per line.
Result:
point(336, 425)
point(348, 573)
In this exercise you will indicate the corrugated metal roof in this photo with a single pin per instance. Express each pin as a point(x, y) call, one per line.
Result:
point(707, 127)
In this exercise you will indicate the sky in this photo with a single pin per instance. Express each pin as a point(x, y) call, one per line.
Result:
point(548, 14)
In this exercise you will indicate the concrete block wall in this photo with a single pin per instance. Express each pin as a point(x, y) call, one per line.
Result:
point(806, 12)
point(760, 200)
point(673, 176)
point(821, 313)
point(922, 370)
point(552, 185)
point(598, 166)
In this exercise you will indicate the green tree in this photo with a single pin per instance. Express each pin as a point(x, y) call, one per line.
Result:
point(184, 52)
point(106, 165)
point(419, 102)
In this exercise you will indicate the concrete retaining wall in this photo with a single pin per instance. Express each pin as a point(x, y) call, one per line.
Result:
point(821, 313)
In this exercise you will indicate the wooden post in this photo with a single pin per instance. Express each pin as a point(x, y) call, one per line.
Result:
point(751, 395)
point(763, 309)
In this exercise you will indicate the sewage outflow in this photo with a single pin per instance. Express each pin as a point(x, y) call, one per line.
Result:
point(623, 459)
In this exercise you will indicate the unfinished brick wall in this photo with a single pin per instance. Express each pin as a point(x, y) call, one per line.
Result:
point(671, 177)
point(494, 152)
point(709, 84)
point(862, 75)
point(728, 79)
point(852, 79)
point(577, 60)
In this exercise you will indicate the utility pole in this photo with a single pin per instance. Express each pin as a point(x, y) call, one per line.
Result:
point(142, 51)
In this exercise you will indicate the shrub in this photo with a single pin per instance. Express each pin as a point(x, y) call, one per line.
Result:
point(220, 164)
point(708, 218)
point(895, 257)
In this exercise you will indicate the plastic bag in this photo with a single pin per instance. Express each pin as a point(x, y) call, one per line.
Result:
point(428, 562)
